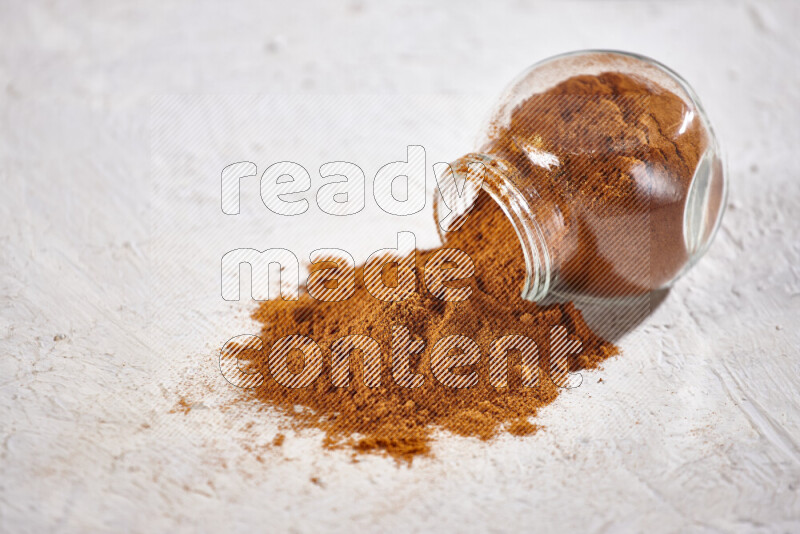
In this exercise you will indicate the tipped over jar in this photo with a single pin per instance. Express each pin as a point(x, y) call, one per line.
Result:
point(608, 169)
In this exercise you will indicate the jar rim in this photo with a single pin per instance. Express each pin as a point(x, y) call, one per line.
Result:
point(517, 209)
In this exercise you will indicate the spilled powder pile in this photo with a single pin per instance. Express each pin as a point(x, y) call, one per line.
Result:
point(400, 421)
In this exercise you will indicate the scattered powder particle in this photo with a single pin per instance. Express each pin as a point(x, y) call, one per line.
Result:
point(183, 406)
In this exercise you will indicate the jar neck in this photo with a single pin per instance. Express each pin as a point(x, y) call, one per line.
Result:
point(501, 181)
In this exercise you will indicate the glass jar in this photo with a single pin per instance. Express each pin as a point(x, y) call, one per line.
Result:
point(608, 169)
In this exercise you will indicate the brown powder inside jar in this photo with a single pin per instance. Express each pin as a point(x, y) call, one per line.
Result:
point(612, 157)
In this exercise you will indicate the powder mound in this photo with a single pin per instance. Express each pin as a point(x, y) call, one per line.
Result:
point(400, 421)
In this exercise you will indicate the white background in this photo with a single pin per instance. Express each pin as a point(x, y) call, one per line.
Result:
point(695, 428)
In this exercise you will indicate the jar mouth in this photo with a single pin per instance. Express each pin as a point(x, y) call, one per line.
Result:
point(530, 236)
point(501, 189)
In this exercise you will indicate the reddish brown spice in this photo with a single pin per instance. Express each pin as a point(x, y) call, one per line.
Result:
point(401, 421)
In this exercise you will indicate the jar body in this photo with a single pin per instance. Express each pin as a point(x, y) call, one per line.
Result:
point(609, 171)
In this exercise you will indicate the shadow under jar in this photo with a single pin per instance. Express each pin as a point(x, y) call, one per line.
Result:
point(609, 171)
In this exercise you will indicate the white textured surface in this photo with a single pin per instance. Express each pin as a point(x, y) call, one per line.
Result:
point(696, 428)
